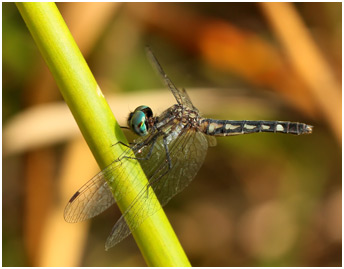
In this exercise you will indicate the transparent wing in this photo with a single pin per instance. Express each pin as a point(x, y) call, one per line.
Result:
point(97, 194)
point(211, 141)
point(187, 153)
point(181, 96)
point(92, 199)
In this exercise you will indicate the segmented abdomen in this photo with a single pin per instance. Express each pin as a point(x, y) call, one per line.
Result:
point(229, 127)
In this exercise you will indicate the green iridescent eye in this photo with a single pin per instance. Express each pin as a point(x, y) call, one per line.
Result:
point(137, 120)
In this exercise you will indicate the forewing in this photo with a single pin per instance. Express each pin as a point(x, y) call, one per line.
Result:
point(92, 199)
point(181, 96)
point(98, 193)
point(187, 154)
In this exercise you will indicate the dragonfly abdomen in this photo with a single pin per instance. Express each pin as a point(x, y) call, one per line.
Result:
point(229, 127)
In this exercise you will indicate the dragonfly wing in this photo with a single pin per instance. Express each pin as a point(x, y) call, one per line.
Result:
point(181, 96)
point(98, 193)
point(187, 153)
point(184, 96)
point(211, 141)
point(92, 199)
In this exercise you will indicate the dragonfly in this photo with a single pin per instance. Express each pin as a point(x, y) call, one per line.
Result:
point(170, 148)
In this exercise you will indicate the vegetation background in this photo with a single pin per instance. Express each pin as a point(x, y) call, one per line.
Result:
point(259, 200)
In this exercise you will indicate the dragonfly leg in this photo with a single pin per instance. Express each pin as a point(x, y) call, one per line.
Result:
point(169, 167)
point(121, 143)
point(168, 158)
point(139, 149)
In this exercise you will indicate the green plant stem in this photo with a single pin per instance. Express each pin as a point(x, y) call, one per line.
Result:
point(155, 236)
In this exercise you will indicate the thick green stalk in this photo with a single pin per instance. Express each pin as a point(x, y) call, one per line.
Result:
point(155, 237)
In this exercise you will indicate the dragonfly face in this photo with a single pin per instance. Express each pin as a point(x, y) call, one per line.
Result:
point(138, 120)
point(171, 148)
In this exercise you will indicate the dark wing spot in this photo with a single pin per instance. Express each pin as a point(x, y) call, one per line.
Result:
point(74, 196)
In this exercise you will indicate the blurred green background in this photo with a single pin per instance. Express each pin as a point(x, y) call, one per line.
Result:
point(258, 200)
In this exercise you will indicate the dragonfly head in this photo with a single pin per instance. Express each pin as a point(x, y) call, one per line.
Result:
point(138, 120)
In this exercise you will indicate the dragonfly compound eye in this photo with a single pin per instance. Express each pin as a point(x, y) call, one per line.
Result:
point(137, 123)
point(145, 109)
point(137, 120)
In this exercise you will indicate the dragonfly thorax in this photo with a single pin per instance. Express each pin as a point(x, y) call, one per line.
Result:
point(187, 117)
